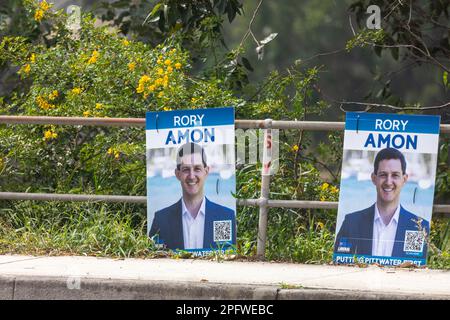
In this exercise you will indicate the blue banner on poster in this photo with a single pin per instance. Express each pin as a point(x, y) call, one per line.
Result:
point(383, 261)
point(387, 188)
point(191, 179)
point(189, 118)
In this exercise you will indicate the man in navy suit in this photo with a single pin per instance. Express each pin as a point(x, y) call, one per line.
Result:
point(381, 229)
point(193, 222)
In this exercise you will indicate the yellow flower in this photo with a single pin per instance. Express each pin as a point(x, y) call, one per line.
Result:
point(145, 78)
point(26, 68)
point(167, 109)
point(160, 71)
point(152, 88)
point(49, 134)
point(159, 61)
point(142, 81)
point(94, 57)
point(125, 42)
point(113, 151)
point(168, 62)
point(43, 8)
point(295, 148)
point(38, 15)
point(140, 88)
point(52, 96)
point(161, 94)
point(334, 189)
point(165, 81)
point(76, 90)
point(44, 5)
point(86, 113)
point(194, 100)
point(178, 65)
point(33, 58)
point(98, 106)
point(173, 50)
point(131, 66)
point(320, 225)
point(325, 186)
point(169, 69)
point(43, 104)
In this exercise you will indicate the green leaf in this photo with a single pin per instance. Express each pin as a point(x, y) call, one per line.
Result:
point(162, 21)
point(269, 38)
point(445, 78)
point(394, 53)
point(231, 12)
point(155, 9)
point(247, 64)
point(378, 50)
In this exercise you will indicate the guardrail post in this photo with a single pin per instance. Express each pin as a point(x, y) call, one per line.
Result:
point(265, 189)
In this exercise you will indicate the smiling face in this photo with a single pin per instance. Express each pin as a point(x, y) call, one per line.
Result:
point(192, 175)
point(389, 181)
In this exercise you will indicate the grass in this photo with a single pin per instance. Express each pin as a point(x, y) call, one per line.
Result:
point(119, 231)
point(290, 286)
point(74, 229)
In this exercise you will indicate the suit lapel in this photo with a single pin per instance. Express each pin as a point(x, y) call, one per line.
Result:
point(177, 227)
point(367, 231)
point(208, 232)
point(397, 251)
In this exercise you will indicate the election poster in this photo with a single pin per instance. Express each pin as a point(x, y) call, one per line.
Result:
point(387, 189)
point(191, 180)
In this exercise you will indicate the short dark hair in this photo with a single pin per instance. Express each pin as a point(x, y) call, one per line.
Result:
point(388, 154)
point(188, 149)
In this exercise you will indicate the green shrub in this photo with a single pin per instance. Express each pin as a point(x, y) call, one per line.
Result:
point(101, 74)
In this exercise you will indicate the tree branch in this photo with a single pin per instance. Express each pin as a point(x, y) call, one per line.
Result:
point(370, 105)
point(249, 30)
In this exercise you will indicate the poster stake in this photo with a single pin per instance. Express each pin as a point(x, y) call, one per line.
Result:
point(265, 190)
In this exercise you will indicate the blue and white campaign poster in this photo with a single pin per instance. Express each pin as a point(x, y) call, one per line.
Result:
point(191, 179)
point(387, 189)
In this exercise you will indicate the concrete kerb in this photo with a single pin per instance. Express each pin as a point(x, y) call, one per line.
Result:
point(7, 284)
point(57, 288)
point(71, 277)
point(324, 294)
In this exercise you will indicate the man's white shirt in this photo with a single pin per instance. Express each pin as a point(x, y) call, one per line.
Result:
point(193, 229)
point(384, 235)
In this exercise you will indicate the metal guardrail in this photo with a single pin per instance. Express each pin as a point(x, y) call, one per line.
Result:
point(263, 203)
point(297, 204)
point(140, 122)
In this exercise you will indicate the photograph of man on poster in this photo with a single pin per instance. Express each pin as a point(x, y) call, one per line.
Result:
point(382, 229)
point(193, 222)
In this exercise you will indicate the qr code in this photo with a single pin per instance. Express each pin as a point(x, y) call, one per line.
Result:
point(222, 230)
point(414, 241)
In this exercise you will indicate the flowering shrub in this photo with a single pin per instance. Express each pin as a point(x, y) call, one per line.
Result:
point(98, 75)
point(102, 74)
